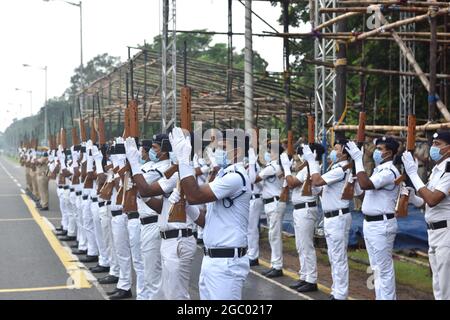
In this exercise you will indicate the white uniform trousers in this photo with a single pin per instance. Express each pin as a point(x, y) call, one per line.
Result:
point(88, 223)
point(62, 208)
point(81, 234)
point(122, 249)
point(105, 221)
point(223, 278)
point(256, 208)
point(275, 213)
point(304, 226)
point(71, 212)
point(336, 234)
point(177, 255)
point(379, 237)
point(99, 238)
point(151, 255)
point(439, 255)
point(134, 232)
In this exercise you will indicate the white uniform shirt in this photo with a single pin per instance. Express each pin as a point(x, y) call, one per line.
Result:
point(152, 171)
point(297, 192)
point(167, 185)
point(228, 227)
point(272, 184)
point(383, 198)
point(332, 191)
point(439, 180)
point(257, 187)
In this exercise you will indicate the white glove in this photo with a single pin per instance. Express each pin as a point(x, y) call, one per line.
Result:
point(181, 147)
point(61, 157)
point(121, 160)
point(212, 158)
point(119, 140)
point(286, 164)
point(192, 212)
point(414, 199)
point(411, 167)
point(356, 155)
point(195, 161)
point(175, 196)
point(98, 157)
point(75, 156)
point(89, 162)
point(310, 157)
point(132, 155)
point(252, 158)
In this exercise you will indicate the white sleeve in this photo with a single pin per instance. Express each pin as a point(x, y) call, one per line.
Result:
point(382, 178)
point(167, 185)
point(333, 176)
point(301, 175)
point(267, 172)
point(151, 176)
point(226, 186)
point(444, 184)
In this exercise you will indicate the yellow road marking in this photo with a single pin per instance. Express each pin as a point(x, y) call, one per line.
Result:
point(37, 289)
point(78, 276)
point(294, 276)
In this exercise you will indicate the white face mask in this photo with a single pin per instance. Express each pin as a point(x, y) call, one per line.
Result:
point(267, 157)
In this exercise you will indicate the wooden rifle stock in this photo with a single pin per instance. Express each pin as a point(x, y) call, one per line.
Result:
point(83, 131)
point(93, 133)
point(349, 187)
point(101, 132)
point(401, 207)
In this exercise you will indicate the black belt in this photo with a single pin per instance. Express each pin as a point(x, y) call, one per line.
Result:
point(85, 197)
point(133, 215)
point(148, 220)
point(437, 225)
point(72, 190)
point(303, 205)
point(256, 196)
point(94, 199)
point(379, 218)
point(270, 200)
point(60, 187)
point(224, 252)
point(101, 204)
point(116, 213)
point(66, 187)
point(174, 233)
point(108, 203)
point(78, 193)
point(331, 214)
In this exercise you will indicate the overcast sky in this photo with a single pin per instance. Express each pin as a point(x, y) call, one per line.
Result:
point(42, 33)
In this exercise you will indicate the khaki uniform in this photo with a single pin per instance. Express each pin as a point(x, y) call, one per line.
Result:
point(42, 182)
point(28, 177)
point(34, 183)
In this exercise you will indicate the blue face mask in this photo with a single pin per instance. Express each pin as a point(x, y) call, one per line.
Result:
point(333, 156)
point(435, 153)
point(221, 158)
point(142, 161)
point(267, 157)
point(153, 156)
point(377, 157)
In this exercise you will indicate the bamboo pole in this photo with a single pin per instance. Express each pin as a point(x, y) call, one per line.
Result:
point(338, 18)
point(425, 127)
point(389, 2)
point(364, 9)
point(389, 26)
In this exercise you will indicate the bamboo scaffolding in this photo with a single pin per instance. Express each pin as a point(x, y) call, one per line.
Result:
point(364, 9)
point(390, 2)
point(425, 127)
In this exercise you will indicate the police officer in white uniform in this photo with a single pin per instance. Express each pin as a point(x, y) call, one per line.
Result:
point(273, 208)
point(256, 208)
point(337, 216)
point(436, 197)
point(378, 207)
point(225, 265)
point(154, 159)
point(305, 218)
point(201, 172)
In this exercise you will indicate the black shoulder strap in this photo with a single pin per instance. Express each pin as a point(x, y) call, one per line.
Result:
point(228, 202)
point(447, 167)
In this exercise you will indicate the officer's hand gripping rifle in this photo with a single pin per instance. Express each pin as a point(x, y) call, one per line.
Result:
point(307, 185)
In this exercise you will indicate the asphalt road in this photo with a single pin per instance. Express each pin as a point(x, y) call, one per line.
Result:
point(35, 265)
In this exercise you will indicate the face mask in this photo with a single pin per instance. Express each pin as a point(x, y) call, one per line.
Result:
point(377, 157)
point(221, 158)
point(333, 156)
point(435, 153)
point(267, 157)
point(153, 156)
point(142, 161)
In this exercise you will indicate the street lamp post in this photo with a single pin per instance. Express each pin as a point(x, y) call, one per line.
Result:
point(46, 98)
point(30, 92)
point(79, 5)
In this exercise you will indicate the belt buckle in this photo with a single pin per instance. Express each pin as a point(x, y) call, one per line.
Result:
point(163, 235)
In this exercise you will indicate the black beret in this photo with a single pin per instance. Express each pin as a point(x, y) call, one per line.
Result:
point(389, 142)
point(163, 141)
point(146, 144)
point(320, 150)
point(442, 135)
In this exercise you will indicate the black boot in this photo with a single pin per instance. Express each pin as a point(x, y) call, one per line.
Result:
point(121, 294)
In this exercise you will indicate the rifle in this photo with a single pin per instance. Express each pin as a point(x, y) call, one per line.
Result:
point(290, 152)
point(83, 139)
point(401, 207)
point(101, 179)
point(90, 176)
point(76, 147)
point(307, 185)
